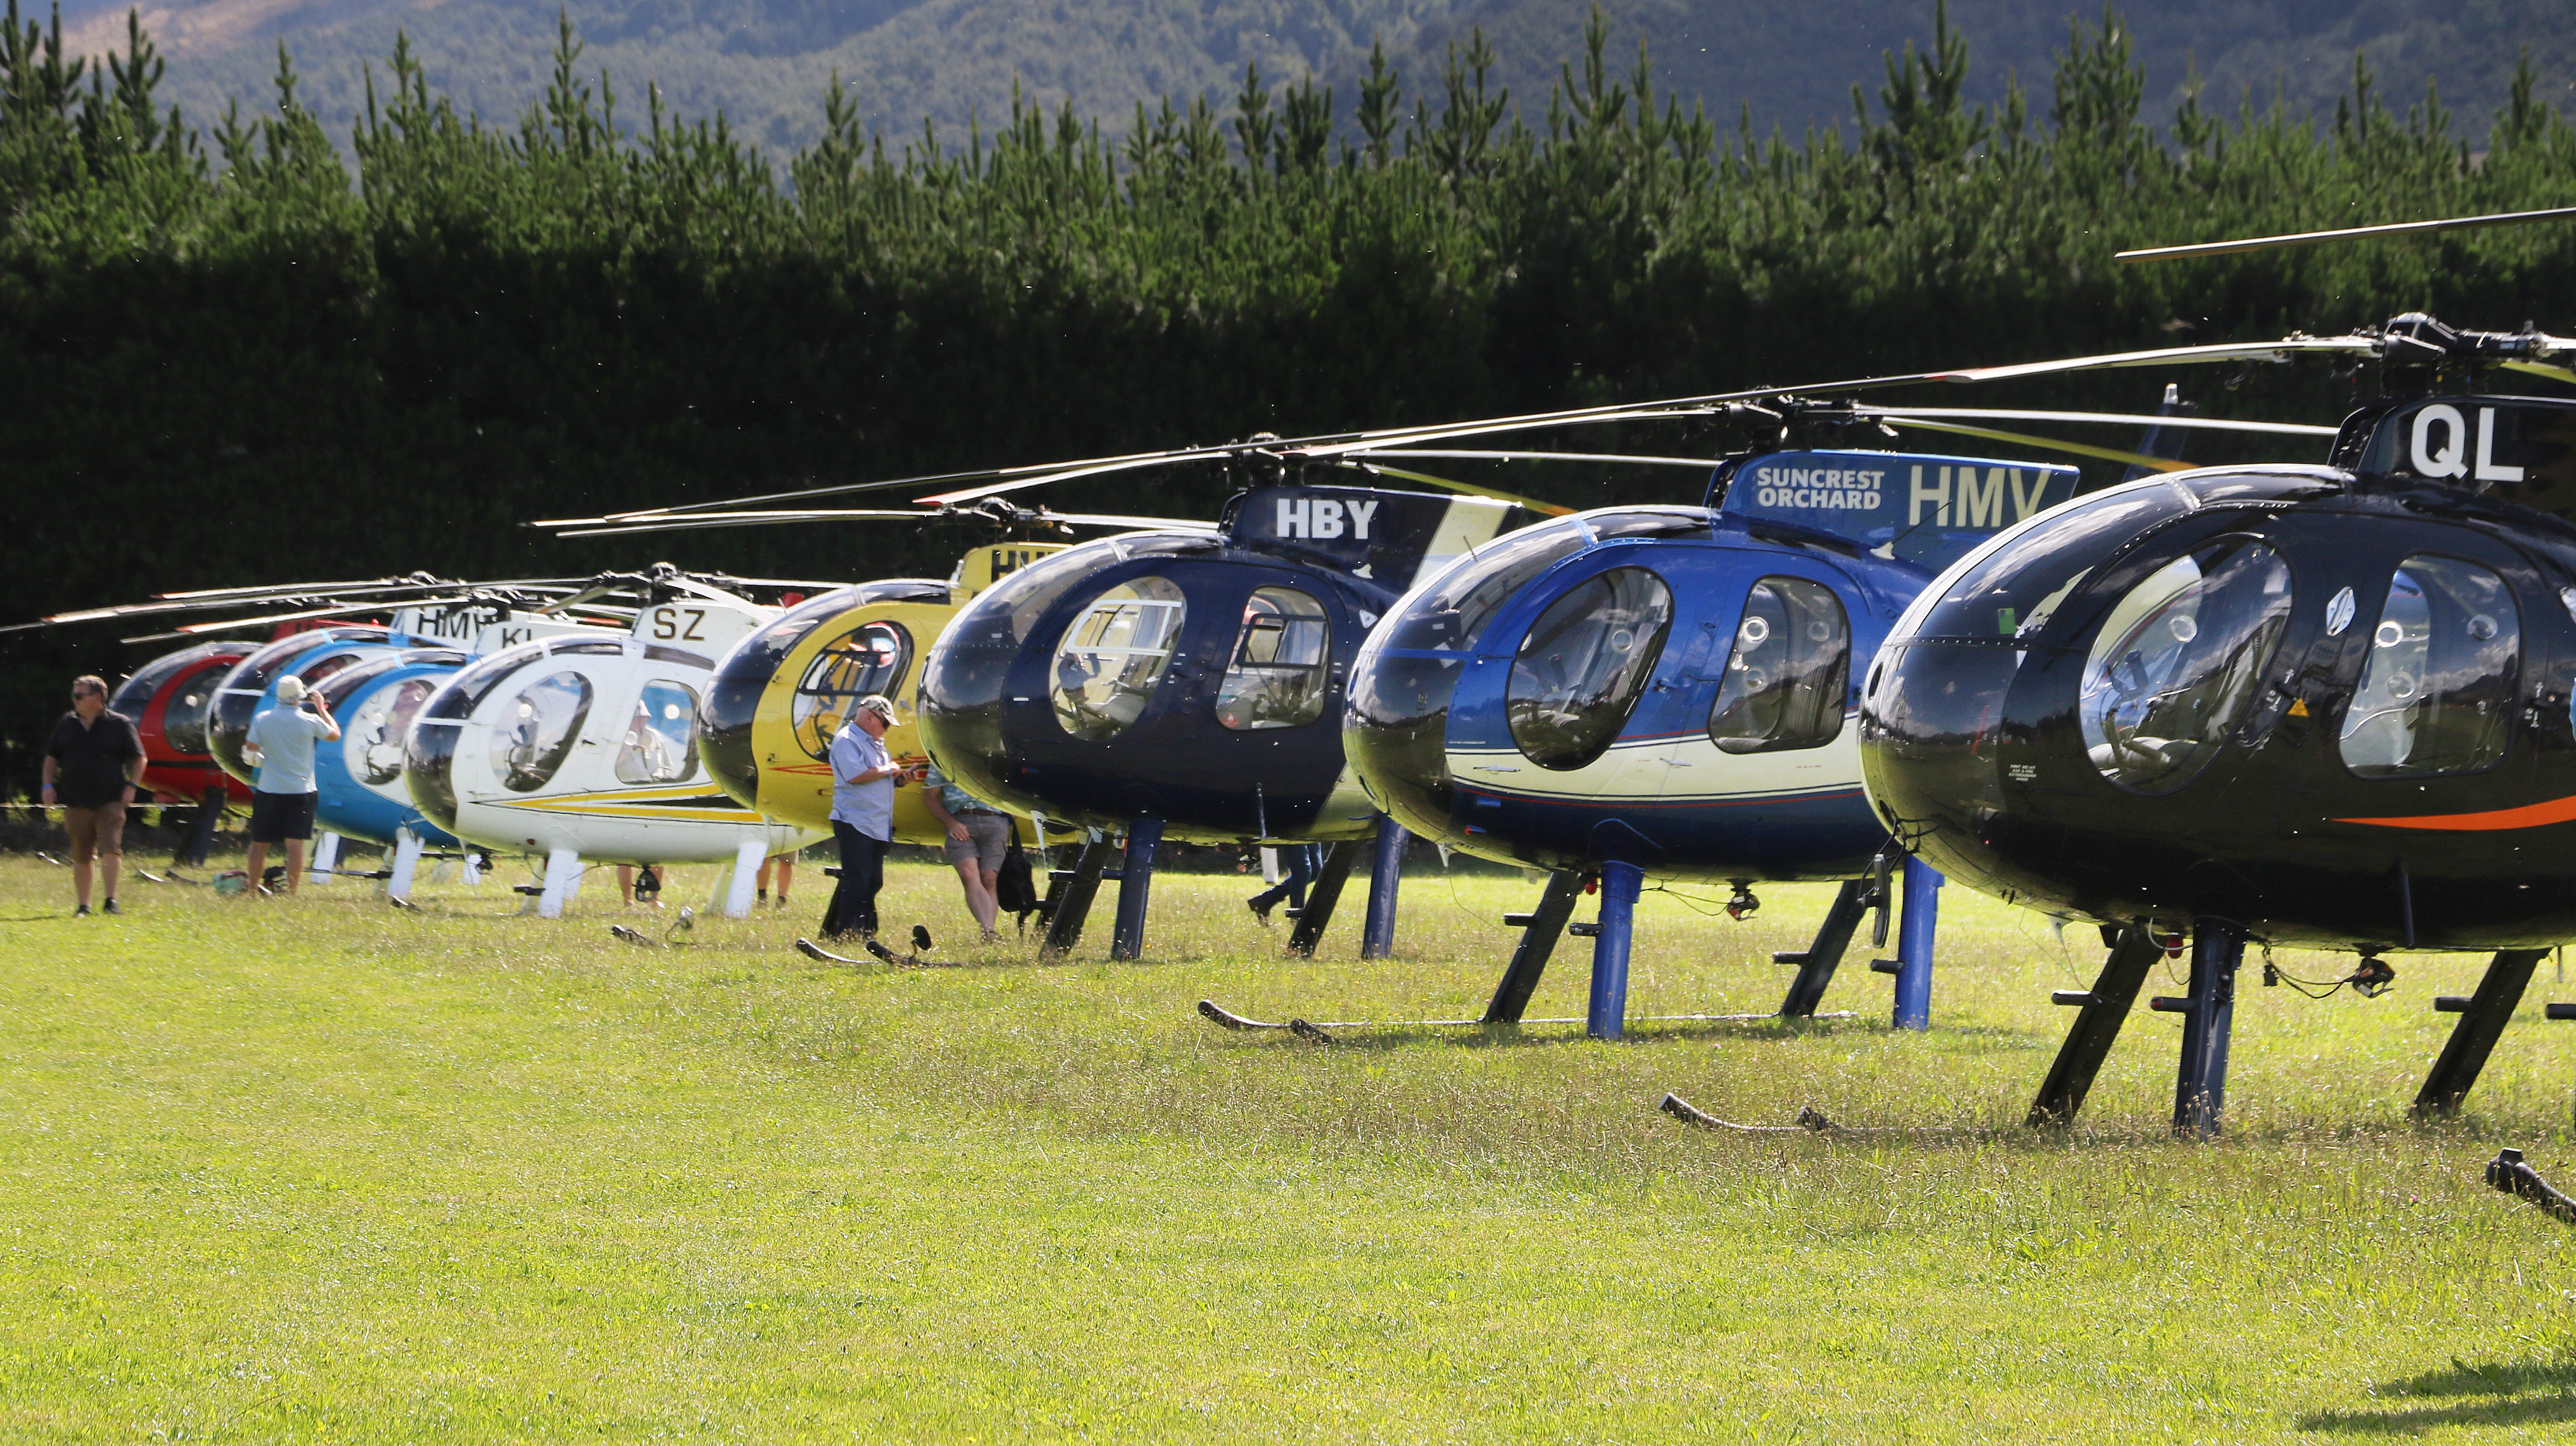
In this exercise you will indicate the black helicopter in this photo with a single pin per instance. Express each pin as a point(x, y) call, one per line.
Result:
point(2322, 704)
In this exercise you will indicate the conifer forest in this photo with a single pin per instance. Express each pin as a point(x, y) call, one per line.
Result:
point(274, 344)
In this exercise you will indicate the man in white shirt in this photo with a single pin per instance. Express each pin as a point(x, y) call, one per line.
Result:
point(864, 778)
point(284, 791)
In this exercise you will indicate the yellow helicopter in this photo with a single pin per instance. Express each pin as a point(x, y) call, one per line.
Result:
point(782, 692)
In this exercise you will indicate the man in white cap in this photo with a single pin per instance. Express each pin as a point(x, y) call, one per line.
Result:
point(864, 778)
point(284, 791)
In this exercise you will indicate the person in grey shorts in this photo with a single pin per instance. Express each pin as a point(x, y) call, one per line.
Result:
point(978, 836)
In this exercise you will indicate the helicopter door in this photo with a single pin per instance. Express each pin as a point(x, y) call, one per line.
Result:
point(376, 743)
point(1280, 669)
point(2438, 686)
point(536, 730)
point(1788, 672)
point(1114, 656)
point(660, 742)
point(1584, 664)
point(870, 658)
point(2180, 659)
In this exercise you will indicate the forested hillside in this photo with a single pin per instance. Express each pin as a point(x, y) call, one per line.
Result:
point(766, 62)
point(253, 358)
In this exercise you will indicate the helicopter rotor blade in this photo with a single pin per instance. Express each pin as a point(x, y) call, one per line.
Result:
point(2348, 233)
point(1102, 519)
point(298, 589)
point(2264, 351)
point(1325, 446)
point(1701, 464)
point(2124, 419)
point(693, 521)
point(190, 630)
point(2107, 454)
point(2543, 369)
point(1544, 509)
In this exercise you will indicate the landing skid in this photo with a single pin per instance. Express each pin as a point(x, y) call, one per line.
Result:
point(1318, 1030)
point(1810, 1121)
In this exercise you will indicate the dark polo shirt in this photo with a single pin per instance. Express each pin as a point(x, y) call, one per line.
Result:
point(89, 759)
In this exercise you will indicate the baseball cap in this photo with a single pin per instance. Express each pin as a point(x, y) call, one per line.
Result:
point(290, 690)
point(879, 704)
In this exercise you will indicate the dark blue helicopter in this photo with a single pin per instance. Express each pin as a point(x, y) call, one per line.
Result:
point(1188, 684)
point(1665, 692)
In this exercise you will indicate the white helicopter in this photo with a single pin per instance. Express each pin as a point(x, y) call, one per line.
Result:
point(585, 747)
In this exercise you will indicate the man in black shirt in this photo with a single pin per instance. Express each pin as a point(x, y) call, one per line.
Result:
point(92, 765)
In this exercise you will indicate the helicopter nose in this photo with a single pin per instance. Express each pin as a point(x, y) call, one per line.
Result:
point(725, 719)
point(429, 757)
point(1395, 731)
point(1930, 721)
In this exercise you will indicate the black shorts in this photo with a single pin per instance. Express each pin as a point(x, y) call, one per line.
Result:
point(277, 817)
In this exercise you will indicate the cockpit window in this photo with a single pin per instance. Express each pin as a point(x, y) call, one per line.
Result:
point(870, 658)
point(1277, 678)
point(376, 739)
point(1583, 664)
point(2178, 659)
point(537, 729)
point(1113, 655)
point(183, 723)
point(1451, 611)
point(2437, 694)
point(1786, 677)
point(660, 745)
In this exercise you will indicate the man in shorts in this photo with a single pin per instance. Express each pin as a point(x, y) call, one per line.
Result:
point(92, 764)
point(978, 836)
point(284, 793)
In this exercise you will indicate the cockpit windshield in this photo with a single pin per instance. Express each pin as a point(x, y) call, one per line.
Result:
point(1450, 611)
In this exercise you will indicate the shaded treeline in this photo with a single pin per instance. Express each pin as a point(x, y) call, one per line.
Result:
point(229, 355)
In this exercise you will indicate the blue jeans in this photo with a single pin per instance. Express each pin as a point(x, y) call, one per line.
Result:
point(854, 902)
point(1299, 860)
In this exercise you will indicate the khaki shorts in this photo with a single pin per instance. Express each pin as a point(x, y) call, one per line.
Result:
point(99, 830)
point(988, 837)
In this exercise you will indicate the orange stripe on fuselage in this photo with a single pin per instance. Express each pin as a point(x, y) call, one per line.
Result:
point(2530, 815)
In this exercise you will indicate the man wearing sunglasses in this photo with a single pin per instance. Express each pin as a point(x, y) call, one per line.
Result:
point(92, 764)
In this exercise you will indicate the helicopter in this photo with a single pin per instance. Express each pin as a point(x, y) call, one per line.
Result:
point(765, 726)
point(580, 747)
point(2322, 704)
point(1662, 690)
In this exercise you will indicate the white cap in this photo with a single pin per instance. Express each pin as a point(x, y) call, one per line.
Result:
point(290, 689)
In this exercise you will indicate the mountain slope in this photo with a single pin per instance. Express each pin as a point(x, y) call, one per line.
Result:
point(767, 63)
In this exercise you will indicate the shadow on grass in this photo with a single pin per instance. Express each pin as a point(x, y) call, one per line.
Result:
point(2516, 1393)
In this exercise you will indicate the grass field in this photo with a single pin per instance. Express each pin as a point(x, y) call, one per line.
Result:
point(323, 1171)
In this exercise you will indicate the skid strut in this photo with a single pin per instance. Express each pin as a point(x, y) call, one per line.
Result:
point(1817, 962)
point(1608, 1012)
point(1540, 929)
point(1135, 888)
point(1071, 892)
point(2209, 1015)
point(1322, 896)
point(1386, 875)
point(2482, 1018)
point(2103, 1009)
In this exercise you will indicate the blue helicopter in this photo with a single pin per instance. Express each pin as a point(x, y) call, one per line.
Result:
point(1665, 692)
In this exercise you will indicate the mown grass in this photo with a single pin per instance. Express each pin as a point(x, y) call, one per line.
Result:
point(325, 1171)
